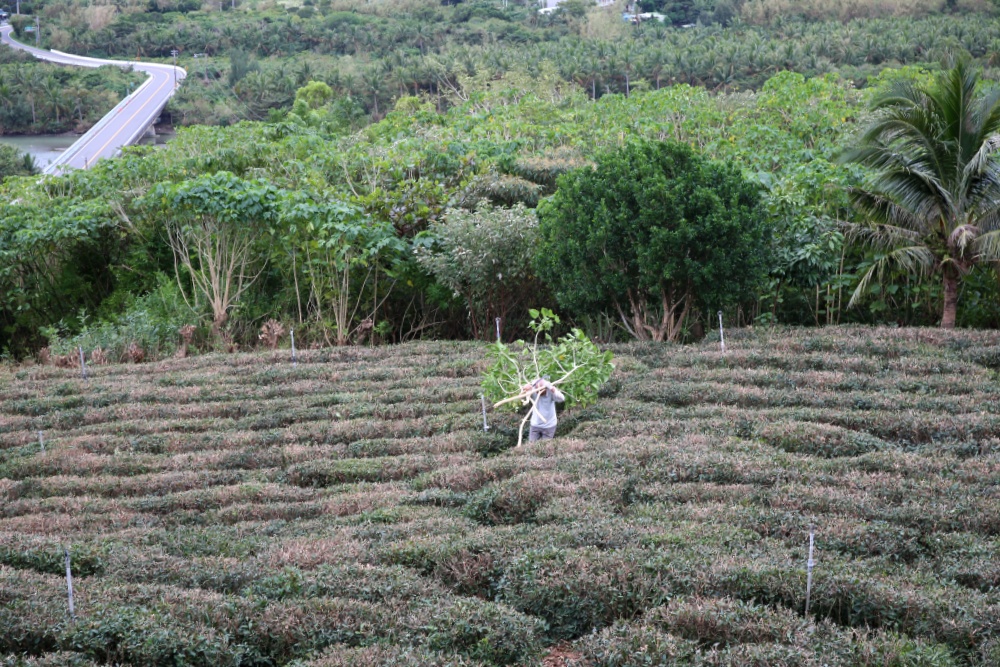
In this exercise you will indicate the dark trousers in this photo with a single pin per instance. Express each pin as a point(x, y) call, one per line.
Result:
point(538, 433)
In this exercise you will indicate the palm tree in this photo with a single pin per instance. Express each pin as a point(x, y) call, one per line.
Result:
point(28, 80)
point(53, 94)
point(373, 78)
point(7, 95)
point(933, 202)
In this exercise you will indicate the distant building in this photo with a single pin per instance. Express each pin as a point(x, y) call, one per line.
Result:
point(645, 16)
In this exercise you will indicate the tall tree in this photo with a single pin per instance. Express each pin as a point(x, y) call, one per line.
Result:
point(214, 225)
point(932, 205)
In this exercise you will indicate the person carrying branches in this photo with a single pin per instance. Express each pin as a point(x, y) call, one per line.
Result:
point(579, 367)
point(543, 398)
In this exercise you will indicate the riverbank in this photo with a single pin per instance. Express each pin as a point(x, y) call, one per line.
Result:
point(44, 148)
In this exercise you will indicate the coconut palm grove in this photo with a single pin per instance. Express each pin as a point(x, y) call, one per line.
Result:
point(281, 390)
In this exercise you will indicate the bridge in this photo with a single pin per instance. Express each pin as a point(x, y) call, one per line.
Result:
point(122, 126)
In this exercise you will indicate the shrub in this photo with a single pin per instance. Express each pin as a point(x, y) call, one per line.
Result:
point(148, 327)
point(85, 560)
point(513, 501)
point(576, 591)
point(819, 439)
point(712, 621)
point(484, 631)
point(384, 654)
point(651, 234)
point(637, 645)
point(485, 257)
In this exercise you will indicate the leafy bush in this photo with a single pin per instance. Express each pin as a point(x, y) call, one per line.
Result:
point(484, 631)
point(652, 233)
point(637, 645)
point(513, 501)
point(384, 654)
point(819, 439)
point(152, 323)
point(576, 591)
point(14, 163)
point(484, 256)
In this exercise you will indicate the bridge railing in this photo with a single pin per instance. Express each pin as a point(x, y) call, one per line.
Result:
point(63, 160)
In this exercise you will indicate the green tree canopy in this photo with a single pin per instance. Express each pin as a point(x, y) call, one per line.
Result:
point(933, 201)
point(314, 94)
point(213, 224)
point(15, 163)
point(651, 232)
point(485, 257)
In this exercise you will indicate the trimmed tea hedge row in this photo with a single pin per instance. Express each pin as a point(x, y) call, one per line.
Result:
point(351, 510)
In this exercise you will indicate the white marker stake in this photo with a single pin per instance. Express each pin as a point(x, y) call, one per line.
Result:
point(498, 329)
point(41, 442)
point(83, 365)
point(69, 585)
point(486, 426)
point(722, 335)
point(294, 362)
point(809, 569)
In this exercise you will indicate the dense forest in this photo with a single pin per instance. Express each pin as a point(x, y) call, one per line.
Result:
point(377, 175)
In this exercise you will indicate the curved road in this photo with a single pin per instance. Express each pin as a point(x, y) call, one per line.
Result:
point(124, 124)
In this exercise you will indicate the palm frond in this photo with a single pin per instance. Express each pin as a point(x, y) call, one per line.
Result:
point(962, 239)
point(951, 100)
point(911, 132)
point(900, 94)
point(988, 217)
point(988, 113)
point(888, 213)
point(983, 161)
point(878, 237)
point(912, 259)
point(859, 292)
point(987, 247)
point(919, 193)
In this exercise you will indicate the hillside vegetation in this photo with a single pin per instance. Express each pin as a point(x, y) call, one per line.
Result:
point(247, 58)
point(38, 97)
point(404, 178)
point(350, 510)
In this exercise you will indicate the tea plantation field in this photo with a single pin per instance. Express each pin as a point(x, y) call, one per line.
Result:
point(229, 510)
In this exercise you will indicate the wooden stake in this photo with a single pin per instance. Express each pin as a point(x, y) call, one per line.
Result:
point(83, 364)
point(294, 362)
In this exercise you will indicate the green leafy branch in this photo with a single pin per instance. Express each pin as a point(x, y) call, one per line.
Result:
point(576, 363)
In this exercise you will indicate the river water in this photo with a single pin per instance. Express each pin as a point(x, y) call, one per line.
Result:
point(46, 147)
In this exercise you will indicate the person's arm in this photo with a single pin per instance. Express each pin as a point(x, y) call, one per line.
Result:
point(557, 395)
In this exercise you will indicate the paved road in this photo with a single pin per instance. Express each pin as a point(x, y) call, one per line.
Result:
point(123, 125)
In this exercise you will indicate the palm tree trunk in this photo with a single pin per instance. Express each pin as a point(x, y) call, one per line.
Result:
point(950, 299)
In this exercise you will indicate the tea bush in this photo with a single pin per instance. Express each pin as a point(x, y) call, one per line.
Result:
point(818, 439)
point(351, 510)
